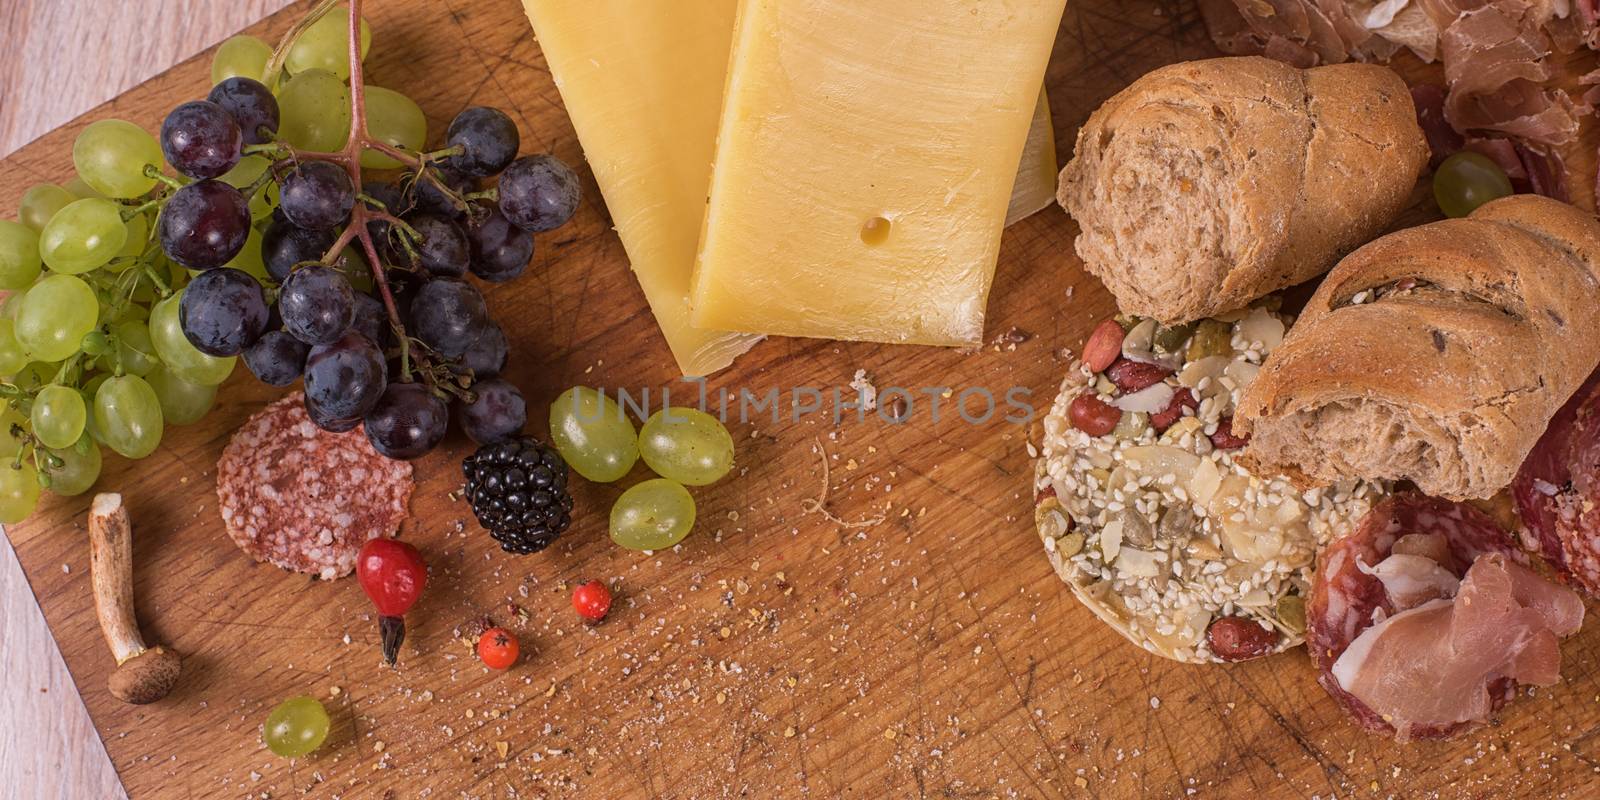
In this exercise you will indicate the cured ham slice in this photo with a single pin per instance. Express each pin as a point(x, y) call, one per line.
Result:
point(1557, 491)
point(1496, 55)
point(1407, 653)
point(1445, 663)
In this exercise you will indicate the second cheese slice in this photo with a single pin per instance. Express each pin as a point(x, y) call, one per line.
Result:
point(864, 165)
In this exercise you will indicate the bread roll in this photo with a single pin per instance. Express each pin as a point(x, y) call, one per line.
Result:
point(1435, 354)
point(1208, 184)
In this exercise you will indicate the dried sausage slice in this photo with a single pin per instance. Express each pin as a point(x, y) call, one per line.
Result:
point(1348, 597)
point(1558, 491)
point(305, 499)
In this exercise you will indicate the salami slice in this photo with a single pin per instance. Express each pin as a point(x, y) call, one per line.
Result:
point(1346, 598)
point(305, 499)
point(1558, 491)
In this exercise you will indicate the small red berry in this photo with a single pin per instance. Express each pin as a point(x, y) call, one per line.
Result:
point(393, 575)
point(592, 600)
point(497, 648)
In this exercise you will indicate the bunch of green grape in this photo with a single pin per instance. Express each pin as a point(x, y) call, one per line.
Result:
point(685, 446)
point(93, 351)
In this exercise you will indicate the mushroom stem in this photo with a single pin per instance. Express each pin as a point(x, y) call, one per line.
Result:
point(144, 674)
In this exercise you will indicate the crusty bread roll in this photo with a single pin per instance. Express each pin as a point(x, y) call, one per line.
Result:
point(1436, 354)
point(1208, 184)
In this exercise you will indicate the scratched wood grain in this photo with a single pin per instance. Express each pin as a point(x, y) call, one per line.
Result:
point(59, 58)
point(776, 654)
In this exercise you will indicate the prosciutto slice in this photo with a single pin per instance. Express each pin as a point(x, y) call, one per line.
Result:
point(1441, 663)
point(1424, 620)
point(1496, 55)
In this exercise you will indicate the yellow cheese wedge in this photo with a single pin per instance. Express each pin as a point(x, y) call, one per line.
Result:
point(1035, 188)
point(865, 162)
point(642, 82)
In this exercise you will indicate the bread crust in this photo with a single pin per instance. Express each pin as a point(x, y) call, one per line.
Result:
point(1480, 330)
point(1207, 184)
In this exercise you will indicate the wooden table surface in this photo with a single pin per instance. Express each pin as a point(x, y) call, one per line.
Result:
point(775, 653)
point(58, 59)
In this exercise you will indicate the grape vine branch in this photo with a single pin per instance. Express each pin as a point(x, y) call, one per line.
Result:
point(364, 211)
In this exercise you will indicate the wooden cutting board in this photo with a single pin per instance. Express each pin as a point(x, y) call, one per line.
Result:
point(779, 654)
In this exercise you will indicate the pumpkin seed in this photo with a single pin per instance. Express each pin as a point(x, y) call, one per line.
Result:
point(1211, 338)
point(1292, 612)
point(1070, 545)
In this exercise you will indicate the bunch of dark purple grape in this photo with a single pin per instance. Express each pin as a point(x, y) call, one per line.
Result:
point(390, 346)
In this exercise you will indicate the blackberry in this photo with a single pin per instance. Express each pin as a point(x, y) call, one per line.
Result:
point(518, 492)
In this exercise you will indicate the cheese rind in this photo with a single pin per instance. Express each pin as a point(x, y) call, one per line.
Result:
point(642, 83)
point(865, 164)
point(1035, 188)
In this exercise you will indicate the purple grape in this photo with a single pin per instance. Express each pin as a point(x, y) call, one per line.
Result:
point(204, 224)
point(371, 319)
point(496, 413)
point(488, 138)
point(317, 195)
point(394, 203)
point(284, 245)
point(539, 193)
point(442, 249)
point(408, 421)
point(200, 139)
point(487, 356)
point(345, 379)
point(277, 358)
point(222, 311)
point(427, 198)
point(251, 105)
point(317, 305)
point(449, 316)
point(500, 250)
point(322, 419)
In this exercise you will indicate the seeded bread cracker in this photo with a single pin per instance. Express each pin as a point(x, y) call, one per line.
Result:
point(1161, 533)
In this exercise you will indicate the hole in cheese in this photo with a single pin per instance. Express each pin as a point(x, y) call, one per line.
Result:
point(875, 231)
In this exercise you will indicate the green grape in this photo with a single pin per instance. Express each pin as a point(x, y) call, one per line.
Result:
point(249, 259)
point(58, 311)
point(326, 44)
point(314, 111)
point(58, 416)
point(686, 445)
point(19, 491)
point(182, 402)
point(10, 443)
point(40, 203)
point(79, 468)
point(12, 357)
point(394, 119)
point(297, 727)
point(80, 190)
point(653, 515)
point(593, 434)
point(240, 56)
point(138, 239)
point(354, 266)
point(12, 305)
point(84, 236)
point(111, 156)
point(1467, 180)
point(19, 255)
point(174, 349)
point(127, 415)
point(135, 352)
point(36, 375)
point(95, 343)
point(244, 174)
